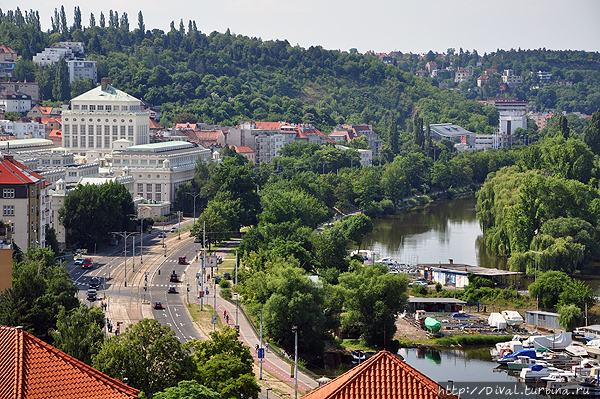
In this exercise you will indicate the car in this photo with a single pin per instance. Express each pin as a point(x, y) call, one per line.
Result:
point(87, 263)
point(94, 282)
point(196, 239)
point(460, 315)
point(174, 278)
point(218, 280)
point(78, 261)
point(161, 235)
point(172, 290)
point(182, 260)
point(158, 305)
point(227, 276)
point(91, 294)
point(173, 229)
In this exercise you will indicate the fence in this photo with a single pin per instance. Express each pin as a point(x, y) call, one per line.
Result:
point(279, 353)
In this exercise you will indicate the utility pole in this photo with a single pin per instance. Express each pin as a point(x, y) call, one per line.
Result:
point(236, 294)
point(261, 347)
point(296, 362)
point(133, 253)
point(179, 229)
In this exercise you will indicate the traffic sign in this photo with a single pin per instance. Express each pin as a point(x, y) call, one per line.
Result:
point(214, 319)
point(261, 353)
point(207, 292)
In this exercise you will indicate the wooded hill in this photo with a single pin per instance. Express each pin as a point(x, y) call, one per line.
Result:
point(224, 78)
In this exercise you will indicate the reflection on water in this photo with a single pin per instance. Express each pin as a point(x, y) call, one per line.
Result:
point(434, 233)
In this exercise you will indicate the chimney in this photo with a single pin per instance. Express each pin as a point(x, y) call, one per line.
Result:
point(105, 82)
point(451, 261)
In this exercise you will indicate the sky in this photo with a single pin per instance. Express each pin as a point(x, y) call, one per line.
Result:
point(377, 25)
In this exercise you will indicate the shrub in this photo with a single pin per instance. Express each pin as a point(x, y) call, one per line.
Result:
point(438, 287)
point(419, 290)
point(224, 284)
point(226, 293)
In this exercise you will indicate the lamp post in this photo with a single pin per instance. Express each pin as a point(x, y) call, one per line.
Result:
point(537, 254)
point(261, 345)
point(195, 196)
point(295, 330)
point(124, 234)
point(268, 389)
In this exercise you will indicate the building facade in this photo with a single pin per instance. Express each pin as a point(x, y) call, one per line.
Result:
point(8, 60)
point(11, 101)
point(102, 116)
point(32, 89)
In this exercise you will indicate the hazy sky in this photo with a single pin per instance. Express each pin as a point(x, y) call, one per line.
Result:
point(379, 25)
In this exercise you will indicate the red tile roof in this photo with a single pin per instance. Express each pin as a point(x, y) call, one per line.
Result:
point(33, 369)
point(5, 49)
point(243, 149)
point(55, 134)
point(14, 172)
point(154, 125)
point(382, 376)
point(185, 126)
point(268, 125)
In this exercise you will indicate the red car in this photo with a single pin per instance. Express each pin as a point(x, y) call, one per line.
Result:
point(87, 263)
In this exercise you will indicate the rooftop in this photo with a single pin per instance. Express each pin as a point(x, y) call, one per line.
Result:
point(435, 300)
point(110, 94)
point(462, 268)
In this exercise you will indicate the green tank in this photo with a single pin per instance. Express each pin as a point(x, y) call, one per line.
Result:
point(432, 324)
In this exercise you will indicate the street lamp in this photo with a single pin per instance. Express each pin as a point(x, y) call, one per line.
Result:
point(268, 389)
point(125, 235)
point(295, 331)
point(195, 196)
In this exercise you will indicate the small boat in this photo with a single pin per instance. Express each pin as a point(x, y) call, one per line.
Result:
point(558, 379)
point(531, 353)
point(360, 356)
point(576, 350)
point(521, 363)
point(512, 318)
point(537, 371)
point(432, 324)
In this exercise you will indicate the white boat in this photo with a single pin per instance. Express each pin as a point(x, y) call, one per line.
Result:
point(512, 318)
point(496, 320)
point(556, 341)
point(506, 348)
point(537, 371)
point(558, 379)
point(521, 363)
point(576, 350)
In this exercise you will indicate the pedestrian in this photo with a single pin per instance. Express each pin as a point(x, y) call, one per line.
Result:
point(224, 313)
point(227, 318)
point(267, 346)
point(257, 347)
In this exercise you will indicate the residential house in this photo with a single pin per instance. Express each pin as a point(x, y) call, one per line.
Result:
point(31, 368)
point(483, 80)
point(348, 132)
point(8, 60)
point(421, 73)
point(11, 101)
point(513, 114)
point(463, 75)
point(80, 68)
point(32, 89)
point(307, 133)
point(383, 376)
point(509, 78)
point(245, 151)
point(366, 156)
point(24, 202)
point(540, 118)
point(39, 110)
point(431, 66)
point(101, 116)
point(544, 76)
point(24, 129)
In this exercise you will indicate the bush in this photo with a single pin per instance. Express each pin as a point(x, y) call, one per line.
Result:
point(224, 284)
point(419, 290)
point(438, 287)
point(226, 293)
point(387, 207)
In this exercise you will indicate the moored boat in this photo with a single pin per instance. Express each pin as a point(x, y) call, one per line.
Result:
point(433, 325)
point(512, 318)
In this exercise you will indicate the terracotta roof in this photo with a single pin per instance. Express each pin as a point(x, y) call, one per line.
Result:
point(55, 134)
point(382, 376)
point(5, 49)
point(208, 135)
point(243, 149)
point(33, 369)
point(154, 125)
point(185, 126)
point(44, 110)
point(268, 125)
point(14, 172)
point(47, 119)
point(483, 77)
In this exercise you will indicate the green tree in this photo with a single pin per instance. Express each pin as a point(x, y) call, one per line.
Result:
point(61, 88)
point(393, 134)
point(39, 289)
point(356, 227)
point(548, 288)
point(224, 364)
point(79, 332)
point(591, 134)
point(570, 317)
point(374, 299)
point(148, 354)
point(187, 390)
point(577, 293)
point(51, 240)
point(418, 135)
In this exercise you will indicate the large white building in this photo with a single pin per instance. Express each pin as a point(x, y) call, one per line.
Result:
point(513, 114)
point(158, 168)
point(24, 130)
point(102, 116)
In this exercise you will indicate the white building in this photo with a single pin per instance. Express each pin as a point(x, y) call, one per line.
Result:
point(158, 168)
point(24, 130)
point(513, 114)
point(11, 101)
point(509, 77)
point(82, 68)
point(102, 116)
point(32, 89)
point(366, 156)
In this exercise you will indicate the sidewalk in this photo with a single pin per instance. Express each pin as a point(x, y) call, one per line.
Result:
point(272, 363)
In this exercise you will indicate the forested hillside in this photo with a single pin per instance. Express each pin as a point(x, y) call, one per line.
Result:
point(225, 78)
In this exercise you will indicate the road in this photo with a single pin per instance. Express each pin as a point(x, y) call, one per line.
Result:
point(130, 296)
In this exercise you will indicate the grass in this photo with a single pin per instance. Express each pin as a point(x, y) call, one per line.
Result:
point(475, 339)
point(203, 318)
point(354, 344)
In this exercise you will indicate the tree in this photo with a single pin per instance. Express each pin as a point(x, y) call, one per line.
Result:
point(91, 212)
point(570, 317)
point(187, 390)
point(356, 227)
point(548, 287)
point(224, 364)
point(374, 299)
point(77, 19)
point(577, 293)
point(591, 134)
point(393, 134)
point(148, 354)
point(79, 332)
point(51, 240)
point(39, 289)
point(61, 88)
point(418, 136)
point(563, 127)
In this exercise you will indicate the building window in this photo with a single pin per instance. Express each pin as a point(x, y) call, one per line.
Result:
point(140, 187)
point(115, 131)
point(123, 131)
point(66, 129)
point(84, 107)
point(157, 196)
point(8, 193)
point(74, 129)
point(92, 107)
point(82, 129)
point(91, 141)
point(76, 107)
point(91, 129)
point(106, 141)
point(99, 130)
point(149, 187)
point(157, 188)
point(130, 131)
point(9, 210)
point(100, 107)
point(108, 108)
point(149, 196)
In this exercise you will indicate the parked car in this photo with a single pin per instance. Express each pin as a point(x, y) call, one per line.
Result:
point(158, 305)
point(173, 229)
point(161, 235)
point(78, 261)
point(172, 290)
point(218, 280)
point(196, 239)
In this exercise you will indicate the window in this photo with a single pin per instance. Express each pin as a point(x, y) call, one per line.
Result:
point(82, 128)
point(82, 142)
point(122, 131)
point(74, 129)
point(84, 107)
point(66, 129)
point(76, 107)
point(115, 130)
point(106, 129)
point(130, 131)
point(108, 108)
point(106, 141)
point(98, 130)
point(9, 210)
point(157, 196)
point(149, 187)
point(124, 108)
point(91, 141)
point(74, 141)
point(92, 107)
point(8, 193)
point(91, 129)
point(149, 196)
point(56, 162)
point(157, 188)
point(100, 107)
point(140, 187)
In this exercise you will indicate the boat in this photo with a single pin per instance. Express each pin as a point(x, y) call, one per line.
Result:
point(496, 320)
point(359, 356)
point(521, 363)
point(514, 356)
point(537, 371)
point(557, 380)
point(576, 350)
point(556, 341)
point(512, 318)
point(432, 324)
point(505, 348)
